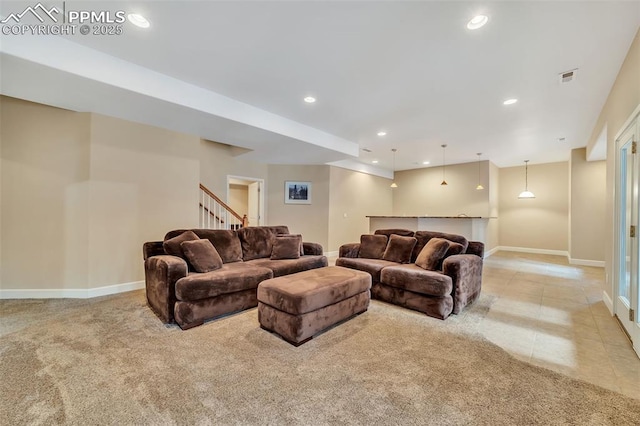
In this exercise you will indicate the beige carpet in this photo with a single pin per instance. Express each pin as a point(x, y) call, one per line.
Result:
point(111, 361)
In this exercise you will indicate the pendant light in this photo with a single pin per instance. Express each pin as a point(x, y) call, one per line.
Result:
point(444, 182)
point(526, 193)
point(479, 187)
point(393, 183)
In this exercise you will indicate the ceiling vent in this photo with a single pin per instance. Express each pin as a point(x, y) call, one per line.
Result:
point(568, 76)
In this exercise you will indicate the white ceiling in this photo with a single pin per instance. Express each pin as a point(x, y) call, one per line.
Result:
point(236, 72)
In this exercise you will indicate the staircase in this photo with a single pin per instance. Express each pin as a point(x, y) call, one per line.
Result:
point(216, 214)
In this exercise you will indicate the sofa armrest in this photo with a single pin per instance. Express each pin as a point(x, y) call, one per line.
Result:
point(160, 276)
point(349, 250)
point(152, 248)
point(465, 271)
point(476, 247)
point(312, 249)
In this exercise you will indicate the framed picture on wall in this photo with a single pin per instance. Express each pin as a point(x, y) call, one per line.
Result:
point(297, 192)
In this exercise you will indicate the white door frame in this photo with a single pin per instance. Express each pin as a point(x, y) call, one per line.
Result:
point(629, 131)
point(261, 210)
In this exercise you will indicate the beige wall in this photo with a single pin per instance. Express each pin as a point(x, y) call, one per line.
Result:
point(588, 207)
point(621, 102)
point(354, 196)
point(144, 182)
point(45, 173)
point(81, 193)
point(310, 220)
point(493, 226)
point(217, 161)
point(543, 222)
point(239, 198)
point(419, 192)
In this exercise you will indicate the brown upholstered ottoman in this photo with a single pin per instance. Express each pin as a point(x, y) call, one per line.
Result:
point(298, 306)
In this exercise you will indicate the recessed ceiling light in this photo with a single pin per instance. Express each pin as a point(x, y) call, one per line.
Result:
point(138, 20)
point(309, 99)
point(425, 163)
point(477, 22)
point(382, 133)
point(375, 161)
point(510, 101)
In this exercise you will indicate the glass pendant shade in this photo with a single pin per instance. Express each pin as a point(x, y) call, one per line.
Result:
point(526, 193)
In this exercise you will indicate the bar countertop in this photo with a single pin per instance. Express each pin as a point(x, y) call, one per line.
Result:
point(434, 217)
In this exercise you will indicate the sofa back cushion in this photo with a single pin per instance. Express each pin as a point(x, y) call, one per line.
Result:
point(257, 241)
point(372, 246)
point(202, 255)
point(396, 231)
point(423, 238)
point(432, 254)
point(225, 241)
point(399, 249)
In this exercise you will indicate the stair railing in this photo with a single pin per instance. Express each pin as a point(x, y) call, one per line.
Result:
point(216, 214)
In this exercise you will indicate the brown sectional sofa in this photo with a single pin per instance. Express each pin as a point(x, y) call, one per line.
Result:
point(175, 292)
point(455, 283)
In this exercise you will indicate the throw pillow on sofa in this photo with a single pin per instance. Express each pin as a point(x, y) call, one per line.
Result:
point(293, 235)
point(372, 246)
point(399, 249)
point(432, 254)
point(286, 247)
point(202, 255)
point(172, 245)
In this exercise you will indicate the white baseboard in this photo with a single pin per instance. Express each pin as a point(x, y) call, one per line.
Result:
point(607, 301)
point(492, 251)
point(332, 253)
point(70, 293)
point(585, 262)
point(534, 250)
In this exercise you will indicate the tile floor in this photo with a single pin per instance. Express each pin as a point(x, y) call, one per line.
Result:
point(551, 314)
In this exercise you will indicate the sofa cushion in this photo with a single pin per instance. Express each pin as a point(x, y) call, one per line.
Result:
point(372, 266)
point(226, 242)
point(232, 277)
point(372, 246)
point(432, 254)
point(173, 247)
point(294, 235)
point(399, 249)
point(413, 278)
point(282, 267)
point(396, 231)
point(286, 247)
point(257, 242)
point(201, 255)
point(423, 238)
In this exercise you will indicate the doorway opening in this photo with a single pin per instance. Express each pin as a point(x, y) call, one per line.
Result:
point(245, 195)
